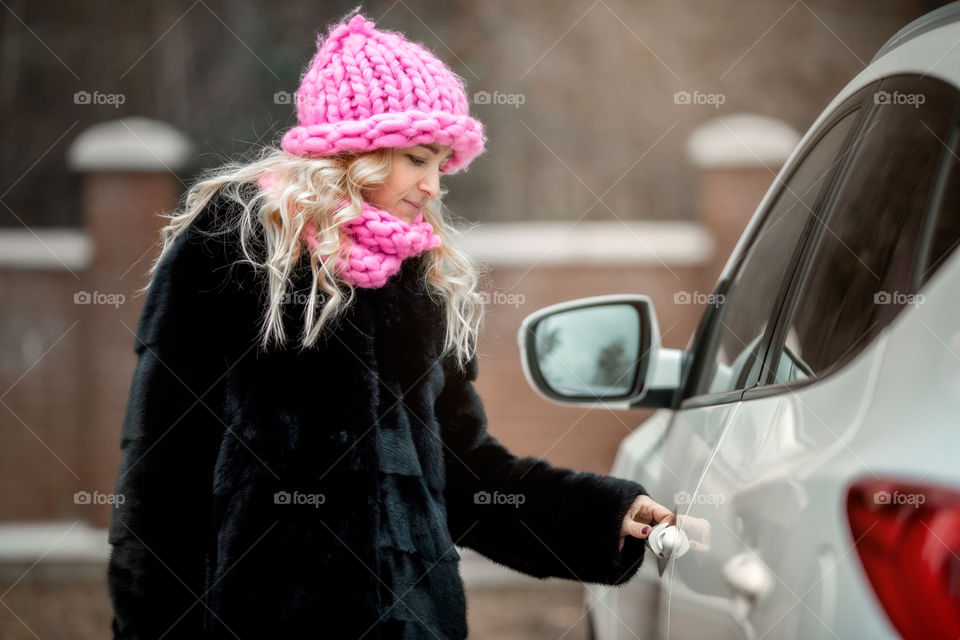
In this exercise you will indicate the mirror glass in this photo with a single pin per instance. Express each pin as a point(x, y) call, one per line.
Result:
point(590, 352)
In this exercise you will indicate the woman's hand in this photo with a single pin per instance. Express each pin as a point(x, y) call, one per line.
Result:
point(641, 516)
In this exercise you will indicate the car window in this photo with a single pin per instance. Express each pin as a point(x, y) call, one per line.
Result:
point(945, 235)
point(737, 346)
point(860, 268)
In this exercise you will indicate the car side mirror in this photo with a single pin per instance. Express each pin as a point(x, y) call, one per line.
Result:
point(599, 351)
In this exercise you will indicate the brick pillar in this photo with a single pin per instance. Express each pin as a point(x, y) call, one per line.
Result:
point(738, 155)
point(128, 168)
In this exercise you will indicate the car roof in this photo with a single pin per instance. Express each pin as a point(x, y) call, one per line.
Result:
point(927, 22)
point(928, 46)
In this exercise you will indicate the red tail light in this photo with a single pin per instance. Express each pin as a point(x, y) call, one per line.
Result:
point(908, 538)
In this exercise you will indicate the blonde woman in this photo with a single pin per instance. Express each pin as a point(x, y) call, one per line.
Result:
point(303, 445)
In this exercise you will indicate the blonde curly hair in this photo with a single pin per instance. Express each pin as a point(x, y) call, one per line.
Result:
point(314, 189)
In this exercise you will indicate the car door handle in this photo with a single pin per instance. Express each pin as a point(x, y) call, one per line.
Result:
point(750, 580)
point(667, 541)
point(748, 577)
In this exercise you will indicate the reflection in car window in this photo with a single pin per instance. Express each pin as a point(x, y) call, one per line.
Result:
point(737, 343)
point(865, 248)
point(946, 233)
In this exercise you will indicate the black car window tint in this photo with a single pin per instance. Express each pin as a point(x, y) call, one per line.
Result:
point(861, 265)
point(737, 344)
point(945, 236)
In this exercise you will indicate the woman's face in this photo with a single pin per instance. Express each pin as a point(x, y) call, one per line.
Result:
point(414, 179)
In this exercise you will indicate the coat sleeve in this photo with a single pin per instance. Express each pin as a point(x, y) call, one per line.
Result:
point(169, 440)
point(525, 513)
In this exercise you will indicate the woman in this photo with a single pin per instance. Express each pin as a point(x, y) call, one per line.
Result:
point(317, 489)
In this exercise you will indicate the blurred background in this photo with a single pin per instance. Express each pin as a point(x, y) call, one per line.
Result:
point(629, 143)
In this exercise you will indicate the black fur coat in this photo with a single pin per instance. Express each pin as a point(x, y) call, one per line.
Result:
point(319, 493)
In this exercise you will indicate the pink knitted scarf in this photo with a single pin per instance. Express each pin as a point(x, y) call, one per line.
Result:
point(376, 244)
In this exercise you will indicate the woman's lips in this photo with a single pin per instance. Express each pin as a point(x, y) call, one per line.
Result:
point(415, 208)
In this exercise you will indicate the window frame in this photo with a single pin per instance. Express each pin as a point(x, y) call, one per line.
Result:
point(707, 330)
point(922, 267)
point(765, 387)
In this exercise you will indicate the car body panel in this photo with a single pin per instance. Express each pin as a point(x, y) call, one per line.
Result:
point(770, 473)
point(763, 494)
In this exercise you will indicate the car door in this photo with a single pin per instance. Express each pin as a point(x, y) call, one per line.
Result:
point(773, 489)
point(669, 455)
point(729, 348)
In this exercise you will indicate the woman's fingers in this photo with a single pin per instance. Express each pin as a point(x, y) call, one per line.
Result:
point(664, 515)
point(652, 512)
point(630, 527)
point(640, 530)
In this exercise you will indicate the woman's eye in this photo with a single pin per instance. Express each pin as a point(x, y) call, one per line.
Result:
point(417, 161)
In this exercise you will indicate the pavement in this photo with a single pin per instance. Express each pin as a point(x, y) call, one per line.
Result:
point(503, 604)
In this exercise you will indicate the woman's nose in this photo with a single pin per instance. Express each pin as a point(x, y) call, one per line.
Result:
point(430, 184)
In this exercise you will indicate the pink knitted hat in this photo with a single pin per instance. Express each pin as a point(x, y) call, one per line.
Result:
point(366, 89)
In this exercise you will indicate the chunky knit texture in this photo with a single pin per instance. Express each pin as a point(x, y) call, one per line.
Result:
point(378, 242)
point(367, 89)
point(375, 244)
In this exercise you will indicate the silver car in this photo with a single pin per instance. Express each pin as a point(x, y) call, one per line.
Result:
point(809, 434)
